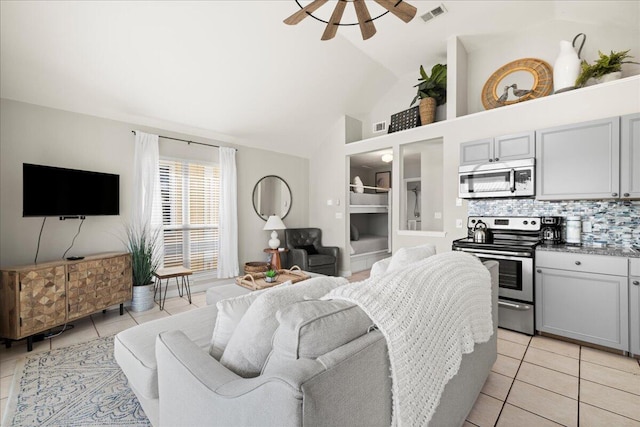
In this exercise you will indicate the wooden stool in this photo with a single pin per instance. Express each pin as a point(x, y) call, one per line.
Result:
point(168, 273)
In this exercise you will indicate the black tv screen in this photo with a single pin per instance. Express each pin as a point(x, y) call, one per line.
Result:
point(51, 191)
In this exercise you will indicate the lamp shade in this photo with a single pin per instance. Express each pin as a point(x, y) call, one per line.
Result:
point(274, 223)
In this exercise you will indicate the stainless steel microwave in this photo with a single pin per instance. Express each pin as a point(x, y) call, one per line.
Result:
point(515, 178)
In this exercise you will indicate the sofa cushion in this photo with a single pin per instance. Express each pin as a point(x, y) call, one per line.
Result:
point(250, 343)
point(379, 267)
point(316, 260)
point(230, 311)
point(220, 292)
point(309, 329)
point(406, 256)
point(135, 348)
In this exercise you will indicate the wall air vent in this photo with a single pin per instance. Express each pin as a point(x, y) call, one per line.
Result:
point(440, 10)
point(380, 127)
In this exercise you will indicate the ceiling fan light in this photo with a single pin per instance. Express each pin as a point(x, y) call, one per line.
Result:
point(387, 158)
point(399, 8)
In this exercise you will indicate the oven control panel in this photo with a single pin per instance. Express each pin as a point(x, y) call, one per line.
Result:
point(506, 223)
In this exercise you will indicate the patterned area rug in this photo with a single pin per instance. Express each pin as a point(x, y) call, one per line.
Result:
point(80, 385)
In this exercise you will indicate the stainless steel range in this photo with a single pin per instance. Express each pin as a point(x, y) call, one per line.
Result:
point(511, 241)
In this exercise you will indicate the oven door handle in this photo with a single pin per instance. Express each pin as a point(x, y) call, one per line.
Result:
point(497, 254)
point(514, 306)
point(512, 180)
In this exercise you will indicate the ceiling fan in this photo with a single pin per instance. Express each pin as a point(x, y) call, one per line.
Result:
point(400, 8)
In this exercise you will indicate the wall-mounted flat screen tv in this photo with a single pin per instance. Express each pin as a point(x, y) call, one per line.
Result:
point(52, 191)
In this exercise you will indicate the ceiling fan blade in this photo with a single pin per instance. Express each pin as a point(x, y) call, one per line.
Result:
point(304, 12)
point(364, 19)
point(332, 25)
point(401, 9)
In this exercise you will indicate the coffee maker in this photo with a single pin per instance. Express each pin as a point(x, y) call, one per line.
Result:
point(551, 230)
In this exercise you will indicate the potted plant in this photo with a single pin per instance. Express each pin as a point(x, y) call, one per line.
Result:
point(606, 68)
point(270, 276)
point(432, 91)
point(142, 243)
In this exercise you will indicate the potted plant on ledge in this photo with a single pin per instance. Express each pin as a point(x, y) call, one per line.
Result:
point(606, 68)
point(432, 91)
point(142, 243)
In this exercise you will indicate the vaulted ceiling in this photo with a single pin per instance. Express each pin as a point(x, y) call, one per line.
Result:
point(231, 70)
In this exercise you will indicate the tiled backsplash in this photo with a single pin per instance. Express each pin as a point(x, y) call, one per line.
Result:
point(614, 223)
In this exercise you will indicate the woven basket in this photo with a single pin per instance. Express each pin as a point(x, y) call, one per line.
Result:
point(427, 110)
point(255, 267)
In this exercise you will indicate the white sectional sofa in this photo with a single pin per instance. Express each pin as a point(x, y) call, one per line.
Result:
point(326, 366)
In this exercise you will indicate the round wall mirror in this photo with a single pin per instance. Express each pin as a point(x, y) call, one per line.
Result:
point(272, 196)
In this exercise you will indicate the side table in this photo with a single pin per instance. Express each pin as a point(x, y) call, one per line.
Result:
point(168, 273)
point(275, 257)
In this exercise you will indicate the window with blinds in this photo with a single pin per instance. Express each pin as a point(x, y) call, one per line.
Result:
point(190, 200)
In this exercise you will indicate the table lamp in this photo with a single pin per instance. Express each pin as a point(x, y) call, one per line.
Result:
point(274, 223)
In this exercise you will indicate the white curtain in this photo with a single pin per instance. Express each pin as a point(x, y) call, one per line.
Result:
point(147, 209)
point(228, 228)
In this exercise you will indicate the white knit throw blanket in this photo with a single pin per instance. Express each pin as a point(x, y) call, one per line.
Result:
point(430, 314)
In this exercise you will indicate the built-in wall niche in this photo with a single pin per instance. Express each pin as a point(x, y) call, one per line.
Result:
point(421, 193)
point(372, 168)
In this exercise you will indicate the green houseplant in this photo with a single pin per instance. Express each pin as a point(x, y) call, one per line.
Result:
point(605, 64)
point(143, 244)
point(432, 91)
point(270, 276)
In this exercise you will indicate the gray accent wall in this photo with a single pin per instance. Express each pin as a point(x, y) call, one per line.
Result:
point(34, 134)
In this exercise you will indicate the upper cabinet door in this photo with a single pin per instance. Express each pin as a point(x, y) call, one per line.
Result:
point(473, 152)
point(579, 161)
point(630, 156)
point(499, 149)
point(514, 147)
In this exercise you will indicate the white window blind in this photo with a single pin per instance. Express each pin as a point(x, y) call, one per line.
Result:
point(190, 200)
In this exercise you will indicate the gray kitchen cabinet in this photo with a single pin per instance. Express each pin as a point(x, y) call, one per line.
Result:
point(580, 161)
point(630, 156)
point(634, 306)
point(498, 149)
point(473, 152)
point(584, 297)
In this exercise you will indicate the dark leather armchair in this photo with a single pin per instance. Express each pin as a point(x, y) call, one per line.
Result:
point(306, 251)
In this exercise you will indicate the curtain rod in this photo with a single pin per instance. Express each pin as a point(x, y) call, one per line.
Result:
point(187, 141)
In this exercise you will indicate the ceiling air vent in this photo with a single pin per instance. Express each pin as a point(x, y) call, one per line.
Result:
point(434, 13)
point(380, 127)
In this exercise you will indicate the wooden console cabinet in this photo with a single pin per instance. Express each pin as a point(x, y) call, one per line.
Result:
point(38, 297)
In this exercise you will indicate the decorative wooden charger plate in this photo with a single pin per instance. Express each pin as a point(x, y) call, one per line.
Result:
point(542, 82)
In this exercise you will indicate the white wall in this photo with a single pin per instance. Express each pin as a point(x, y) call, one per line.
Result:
point(431, 195)
point(328, 181)
point(478, 57)
point(543, 42)
point(40, 135)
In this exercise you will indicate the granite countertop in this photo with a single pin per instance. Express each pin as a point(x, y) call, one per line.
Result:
point(592, 250)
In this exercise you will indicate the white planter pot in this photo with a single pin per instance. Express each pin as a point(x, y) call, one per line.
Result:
point(142, 298)
point(604, 79)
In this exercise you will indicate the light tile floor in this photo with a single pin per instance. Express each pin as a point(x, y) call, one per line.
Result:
point(94, 326)
point(536, 381)
point(541, 381)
